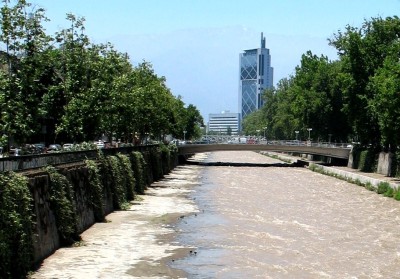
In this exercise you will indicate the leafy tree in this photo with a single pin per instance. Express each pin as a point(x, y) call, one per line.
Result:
point(308, 99)
point(386, 102)
point(78, 90)
point(363, 52)
point(23, 37)
point(194, 122)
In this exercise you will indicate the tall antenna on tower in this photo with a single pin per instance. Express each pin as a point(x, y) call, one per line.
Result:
point(262, 40)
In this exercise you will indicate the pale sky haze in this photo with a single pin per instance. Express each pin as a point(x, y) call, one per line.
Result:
point(196, 44)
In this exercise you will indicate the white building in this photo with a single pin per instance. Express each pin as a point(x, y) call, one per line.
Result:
point(224, 123)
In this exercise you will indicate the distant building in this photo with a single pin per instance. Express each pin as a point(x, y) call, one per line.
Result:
point(224, 123)
point(256, 75)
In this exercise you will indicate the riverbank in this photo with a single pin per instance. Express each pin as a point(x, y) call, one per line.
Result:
point(135, 243)
point(354, 174)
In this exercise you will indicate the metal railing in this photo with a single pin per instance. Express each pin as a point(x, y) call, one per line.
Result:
point(259, 140)
point(25, 162)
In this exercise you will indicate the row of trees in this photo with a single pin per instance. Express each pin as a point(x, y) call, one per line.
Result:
point(66, 88)
point(354, 98)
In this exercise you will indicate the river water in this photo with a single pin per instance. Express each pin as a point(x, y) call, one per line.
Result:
point(204, 222)
point(272, 222)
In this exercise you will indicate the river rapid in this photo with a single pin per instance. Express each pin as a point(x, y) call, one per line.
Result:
point(279, 222)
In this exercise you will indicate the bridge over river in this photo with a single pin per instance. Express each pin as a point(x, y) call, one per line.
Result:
point(341, 151)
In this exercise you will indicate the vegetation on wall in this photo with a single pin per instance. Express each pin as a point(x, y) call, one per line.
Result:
point(118, 176)
point(128, 176)
point(138, 166)
point(156, 163)
point(16, 222)
point(95, 190)
point(117, 182)
point(62, 204)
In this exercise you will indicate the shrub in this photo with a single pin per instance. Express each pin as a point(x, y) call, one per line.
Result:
point(117, 183)
point(61, 203)
point(395, 171)
point(367, 161)
point(147, 167)
point(95, 189)
point(389, 193)
point(137, 165)
point(382, 187)
point(16, 216)
point(128, 176)
point(165, 156)
point(156, 163)
point(358, 182)
point(396, 195)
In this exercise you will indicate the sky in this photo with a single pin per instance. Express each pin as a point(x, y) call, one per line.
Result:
point(195, 44)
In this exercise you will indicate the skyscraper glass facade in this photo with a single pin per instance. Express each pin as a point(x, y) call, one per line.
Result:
point(256, 75)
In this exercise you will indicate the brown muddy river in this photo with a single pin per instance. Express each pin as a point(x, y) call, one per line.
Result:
point(272, 222)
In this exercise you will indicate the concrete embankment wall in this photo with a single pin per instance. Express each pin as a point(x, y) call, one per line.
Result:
point(65, 200)
point(46, 235)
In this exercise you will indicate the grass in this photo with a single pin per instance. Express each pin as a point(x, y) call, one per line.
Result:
point(383, 187)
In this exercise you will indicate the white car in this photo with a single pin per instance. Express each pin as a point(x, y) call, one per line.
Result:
point(67, 146)
point(99, 144)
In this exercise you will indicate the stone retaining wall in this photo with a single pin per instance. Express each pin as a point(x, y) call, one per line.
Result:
point(46, 236)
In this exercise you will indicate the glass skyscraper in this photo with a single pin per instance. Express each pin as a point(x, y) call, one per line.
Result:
point(256, 75)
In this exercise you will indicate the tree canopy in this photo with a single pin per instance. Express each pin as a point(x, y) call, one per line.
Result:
point(63, 87)
point(354, 98)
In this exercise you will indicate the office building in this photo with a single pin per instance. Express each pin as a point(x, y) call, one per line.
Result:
point(256, 75)
point(224, 123)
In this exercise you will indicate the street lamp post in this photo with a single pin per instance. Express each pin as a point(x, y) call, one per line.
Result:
point(309, 133)
point(184, 135)
point(265, 130)
point(297, 134)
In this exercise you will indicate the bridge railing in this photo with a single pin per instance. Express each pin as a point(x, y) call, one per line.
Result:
point(258, 140)
point(308, 143)
point(34, 161)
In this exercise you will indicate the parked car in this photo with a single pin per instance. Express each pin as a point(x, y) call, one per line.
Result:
point(39, 147)
point(100, 144)
point(67, 146)
point(15, 152)
point(54, 148)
